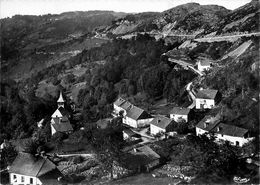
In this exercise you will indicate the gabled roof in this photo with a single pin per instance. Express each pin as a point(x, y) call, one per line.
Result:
point(147, 151)
point(208, 121)
point(60, 100)
point(206, 94)
point(137, 113)
point(204, 63)
point(61, 124)
point(103, 123)
point(119, 101)
point(62, 111)
point(161, 122)
point(126, 105)
point(28, 164)
point(229, 130)
point(180, 111)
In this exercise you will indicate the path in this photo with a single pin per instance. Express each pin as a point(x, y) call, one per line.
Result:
point(70, 155)
point(188, 88)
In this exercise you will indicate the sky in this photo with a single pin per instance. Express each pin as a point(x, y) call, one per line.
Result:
point(9, 8)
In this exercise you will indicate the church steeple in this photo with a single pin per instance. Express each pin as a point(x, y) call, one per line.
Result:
point(60, 101)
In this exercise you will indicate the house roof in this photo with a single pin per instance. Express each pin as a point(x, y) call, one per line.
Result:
point(126, 105)
point(119, 101)
point(230, 130)
point(205, 63)
point(139, 156)
point(208, 121)
point(180, 111)
point(61, 124)
point(63, 111)
point(206, 94)
point(28, 164)
point(103, 123)
point(147, 151)
point(137, 113)
point(60, 100)
point(161, 122)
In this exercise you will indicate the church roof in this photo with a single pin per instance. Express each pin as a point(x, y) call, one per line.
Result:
point(61, 100)
point(61, 124)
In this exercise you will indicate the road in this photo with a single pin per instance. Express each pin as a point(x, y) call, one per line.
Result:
point(188, 88)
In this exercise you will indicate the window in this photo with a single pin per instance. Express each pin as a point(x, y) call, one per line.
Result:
point(31, 180)
point(237, 143)
point(15, 178)
point(22, 178)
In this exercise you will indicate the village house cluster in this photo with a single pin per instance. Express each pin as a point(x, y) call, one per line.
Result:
point(140, 127)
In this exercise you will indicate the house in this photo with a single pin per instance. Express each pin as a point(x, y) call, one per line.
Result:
point(150, 158)
point(179, 114)
point(206, 98)
point(137, 117)
point(161, 124)
point(206, 124)
point(204, 65)
point(223, 132)
point(35, 170)
point(103, 123)
point(130, 135)
point(235, 135)
point(141, 159)
point(120, 108)
point(60, 118)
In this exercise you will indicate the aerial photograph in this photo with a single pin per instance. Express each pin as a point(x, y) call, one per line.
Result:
point(129, 92)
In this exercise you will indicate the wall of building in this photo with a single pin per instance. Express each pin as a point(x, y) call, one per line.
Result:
point(143, 122)
point(155, 130)
point(202, 68)
point(18, 179)
point(233, 139)
point(56, 114)
point(131, 122)
point(208, 103)
point(200, 131)
point(53, 131)
point(178, 117)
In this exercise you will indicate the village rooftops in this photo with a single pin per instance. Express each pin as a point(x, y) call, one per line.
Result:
point(207, 94)
point(161, 122)
point(208, 123)
point(229, 130)
point(28, 164)
point(137, 113)
point(180, 111)
point(62, 124)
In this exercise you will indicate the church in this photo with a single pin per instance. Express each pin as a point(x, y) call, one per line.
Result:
point(60, 118)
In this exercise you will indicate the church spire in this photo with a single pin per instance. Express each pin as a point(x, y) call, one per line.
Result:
point(60, 101)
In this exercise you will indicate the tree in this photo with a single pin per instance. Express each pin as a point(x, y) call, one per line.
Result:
point(8, 155)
